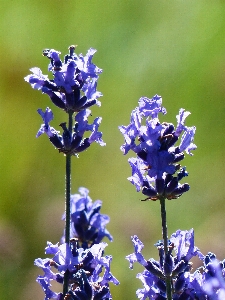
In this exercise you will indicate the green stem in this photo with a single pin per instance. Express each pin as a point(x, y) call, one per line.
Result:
point(165, 241)
point(164, 225)
point(67, 203)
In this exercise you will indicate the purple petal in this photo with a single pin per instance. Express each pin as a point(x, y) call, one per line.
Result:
point(151, 107)
point(186, 140)
point(136, 256)
point(181, 120)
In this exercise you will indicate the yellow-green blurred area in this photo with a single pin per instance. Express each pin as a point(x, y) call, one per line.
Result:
point(172, 48)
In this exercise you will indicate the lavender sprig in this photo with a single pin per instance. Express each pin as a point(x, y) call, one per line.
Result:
point(206, 283)
point(156, 171)
point(72, 89)
point(82, 260)
point(84, 266)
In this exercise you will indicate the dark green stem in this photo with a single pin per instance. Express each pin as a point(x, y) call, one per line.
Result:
point(165, 242)
point(67, 200)
point(67, 203)
point(164, 225)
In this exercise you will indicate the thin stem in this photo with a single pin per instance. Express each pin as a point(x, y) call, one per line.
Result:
point(67, 200)
point(164, 225)
point(165, 241)
point(67, 203)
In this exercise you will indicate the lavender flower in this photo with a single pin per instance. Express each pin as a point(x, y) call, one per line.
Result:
point(74, 83)
point(214, 277)
point(87, 224)
point(73, 89)
point(71, 143)
point(89, 271)
point(79, 259)
point(184, 284)
point(155, 170)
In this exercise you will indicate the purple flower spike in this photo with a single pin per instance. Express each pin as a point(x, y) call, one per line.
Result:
point(76, 142)
point(74, 84)
point(207, 282)
point(87, 224)
point(155, 170)
point(88, 270)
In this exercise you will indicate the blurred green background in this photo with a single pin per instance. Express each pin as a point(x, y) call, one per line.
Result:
point(172, 48)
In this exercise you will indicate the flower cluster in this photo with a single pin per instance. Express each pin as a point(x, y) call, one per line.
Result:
point(206, 281)
point(156, 170)
point(71, 143)
point(78, 263)
point(87, 224)
point(79, 260)
point(214, 283)
point(75, 80)
point(83, 259)
point(73, 89)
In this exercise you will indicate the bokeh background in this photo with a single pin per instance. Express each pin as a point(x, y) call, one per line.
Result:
point(172, 48)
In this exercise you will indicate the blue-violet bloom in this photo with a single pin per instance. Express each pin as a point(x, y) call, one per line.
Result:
point(88, 225)
point(74, 84)
point(214, 277)
point(177, 266)
point(76, 142)
point(89, 271)
point(155, 169)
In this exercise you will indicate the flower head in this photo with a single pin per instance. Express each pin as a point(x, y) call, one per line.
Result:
point(174, 264)
point(71, 143)
point(74, 83)
point(155, 169)
point(88, 225)
point(214, 277)
point(89, 271)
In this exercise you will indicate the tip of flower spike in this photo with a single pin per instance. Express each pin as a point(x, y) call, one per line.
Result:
point(151, 107)
point(72, 47)
point(74, 86)
point(88, 224)
point(45, 52)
